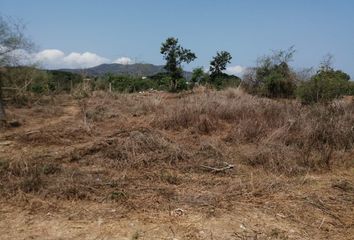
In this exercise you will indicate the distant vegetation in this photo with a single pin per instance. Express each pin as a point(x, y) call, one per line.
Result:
point(272, 77)
point(326, 85)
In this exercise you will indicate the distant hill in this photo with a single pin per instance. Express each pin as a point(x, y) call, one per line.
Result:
point(137, 69)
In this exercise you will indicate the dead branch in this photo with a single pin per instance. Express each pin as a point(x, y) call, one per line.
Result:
point(216, 170)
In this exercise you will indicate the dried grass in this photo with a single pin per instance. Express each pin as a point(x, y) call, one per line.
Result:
point(311, 133)
point(150, 148)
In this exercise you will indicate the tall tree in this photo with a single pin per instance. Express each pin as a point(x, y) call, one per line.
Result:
point(175, 55)
point(12, 40)
point(219, 63)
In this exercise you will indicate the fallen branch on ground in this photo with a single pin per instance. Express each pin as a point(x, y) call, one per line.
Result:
point(215, 170)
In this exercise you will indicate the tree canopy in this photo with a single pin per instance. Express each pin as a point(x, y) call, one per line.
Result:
point(175, 55)
point(219, 63)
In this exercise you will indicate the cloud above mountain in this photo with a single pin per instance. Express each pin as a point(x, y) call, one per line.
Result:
point(54, 58)
point(124, 60)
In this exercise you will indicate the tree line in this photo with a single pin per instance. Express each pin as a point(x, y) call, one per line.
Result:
point(272, 76)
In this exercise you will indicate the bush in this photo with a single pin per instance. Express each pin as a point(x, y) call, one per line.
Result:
point(350, 90)
point(276, 86)
point(223, 81)
point(325, 86)
point(272, 77)
point(37, 88)
point(131, 84)
point(63, 81)
point(181, 85)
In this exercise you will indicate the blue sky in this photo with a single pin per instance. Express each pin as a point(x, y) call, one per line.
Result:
point(108, 30)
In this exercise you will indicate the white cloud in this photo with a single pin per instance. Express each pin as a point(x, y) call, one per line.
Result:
point(54, 58)
point(84, 60)
point(235, 70)
point(124, 60)
point(49, 55)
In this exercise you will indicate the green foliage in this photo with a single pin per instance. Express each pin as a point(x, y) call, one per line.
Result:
point(278, 83)
point(101, 84)
point(181, 84)
point(219, 62)
point(162, 80)
point(175, 55)
point(223, 80)
point(37, 88)
point(350, 88)
point(198, 77)
point(218, 81)
point(39, 81)
point(325, 86)
point(63, 81)
point(272, 77)
point(131, 84)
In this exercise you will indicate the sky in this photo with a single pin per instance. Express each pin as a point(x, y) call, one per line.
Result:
point(84, 33)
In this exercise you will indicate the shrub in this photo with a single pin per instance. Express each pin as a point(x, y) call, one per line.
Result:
point(272, 77)
point(223, 81)
point(277, 85)
point(181, 85)
point(131, 84)
point(37, 88)
point(325, 86)
point(63, 81)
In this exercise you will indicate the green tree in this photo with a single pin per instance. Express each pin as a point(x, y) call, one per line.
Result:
point(12, 39)
point(273, 76)
point(175, 55)
point(219, 63)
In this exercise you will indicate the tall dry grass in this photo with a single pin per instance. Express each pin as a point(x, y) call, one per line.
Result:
point(289, 137)
point(155, 138)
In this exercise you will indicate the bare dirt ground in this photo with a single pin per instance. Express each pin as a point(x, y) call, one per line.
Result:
point(151, 166)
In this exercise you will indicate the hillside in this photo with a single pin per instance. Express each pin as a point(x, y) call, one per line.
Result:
point(137, 69)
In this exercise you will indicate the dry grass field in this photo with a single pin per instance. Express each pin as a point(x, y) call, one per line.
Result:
point(194, 165)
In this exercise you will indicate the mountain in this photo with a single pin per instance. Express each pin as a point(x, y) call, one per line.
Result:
point(137, 69)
